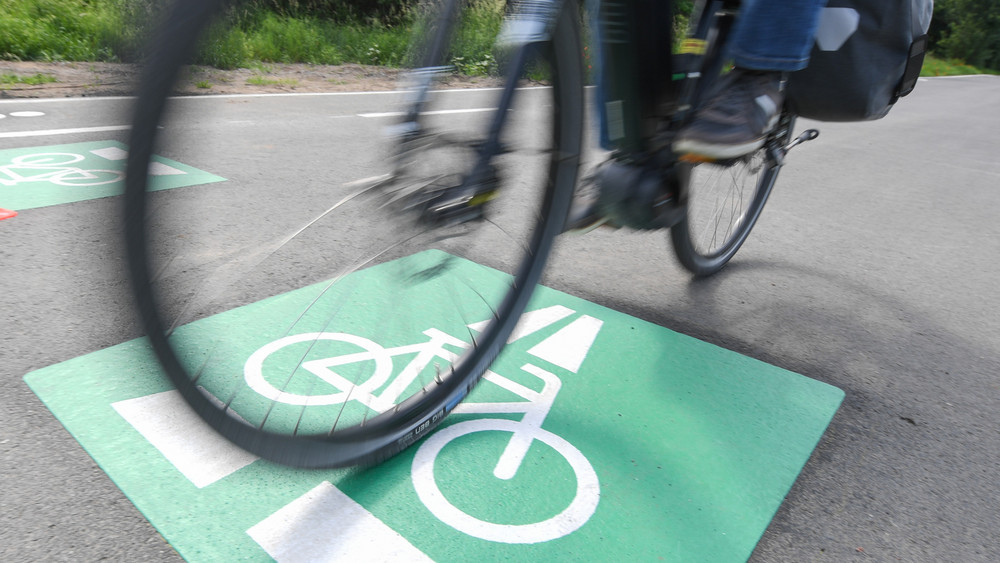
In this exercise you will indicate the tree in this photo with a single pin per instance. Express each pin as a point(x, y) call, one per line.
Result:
point(968, 30)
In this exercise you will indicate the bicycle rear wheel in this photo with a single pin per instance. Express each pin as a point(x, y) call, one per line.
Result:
point(284, 302)
point(724, 201)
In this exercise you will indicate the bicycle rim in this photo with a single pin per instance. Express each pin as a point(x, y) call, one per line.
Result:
point(288, 302)
point(724, 201)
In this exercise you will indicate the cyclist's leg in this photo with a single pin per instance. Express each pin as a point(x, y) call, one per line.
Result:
point(770, 38)
point(775, 35)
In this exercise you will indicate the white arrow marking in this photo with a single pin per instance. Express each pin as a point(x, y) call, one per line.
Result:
point(532, 321)
point(111, 153)
point(568, 347)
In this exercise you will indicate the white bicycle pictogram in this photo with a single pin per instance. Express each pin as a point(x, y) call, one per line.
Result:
point(55, 167)
point(524, 432)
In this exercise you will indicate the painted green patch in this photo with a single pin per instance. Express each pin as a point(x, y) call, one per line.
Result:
point(52, 175)
point(656, 446)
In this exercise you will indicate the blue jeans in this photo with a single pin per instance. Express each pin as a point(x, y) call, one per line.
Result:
point(775, 34)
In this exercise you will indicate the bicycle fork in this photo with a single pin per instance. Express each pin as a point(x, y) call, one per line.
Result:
point(530, 26)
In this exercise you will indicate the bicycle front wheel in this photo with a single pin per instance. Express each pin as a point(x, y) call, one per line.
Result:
point(724, 201)
point(366, 256)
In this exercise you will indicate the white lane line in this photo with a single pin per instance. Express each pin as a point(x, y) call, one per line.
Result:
point(49, 100)
point(434, 112)
point(378, 92)
point(991, 76)
point(224, 96)
point(52, 132)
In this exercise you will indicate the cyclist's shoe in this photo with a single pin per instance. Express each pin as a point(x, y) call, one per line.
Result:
point(736, 120)
point(584, 212)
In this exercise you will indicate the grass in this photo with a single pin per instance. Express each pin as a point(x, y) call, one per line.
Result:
point(113, 30)
point(934, 66)
point(34, 79)
point(70, 30)
point(264, 81)
point(270, 38)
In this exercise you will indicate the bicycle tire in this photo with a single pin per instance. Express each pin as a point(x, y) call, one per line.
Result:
point(195, 235)
point(723, 202)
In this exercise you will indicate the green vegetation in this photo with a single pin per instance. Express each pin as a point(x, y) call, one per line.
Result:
point(286, 35)
point(374, 32)
point(269, 37)
point(72, 30)
point(34, 79)
point(934, 66)
point(965, 34)
point(264, 81)
point(967, 31)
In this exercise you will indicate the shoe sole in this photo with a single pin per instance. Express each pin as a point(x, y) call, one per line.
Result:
point(715, 152)
point(584, 229)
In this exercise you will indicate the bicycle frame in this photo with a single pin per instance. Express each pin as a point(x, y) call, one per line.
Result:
point(645, 83)
point(648, 88)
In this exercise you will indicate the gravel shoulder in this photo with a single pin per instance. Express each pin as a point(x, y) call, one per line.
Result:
point(79, 79)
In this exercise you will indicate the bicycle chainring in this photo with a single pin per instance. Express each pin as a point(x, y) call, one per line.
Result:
point(641, 197)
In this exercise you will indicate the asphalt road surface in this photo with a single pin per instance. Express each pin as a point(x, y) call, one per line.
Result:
point(873, 268)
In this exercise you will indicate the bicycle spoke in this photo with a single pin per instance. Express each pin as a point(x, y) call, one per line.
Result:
point(292, 301)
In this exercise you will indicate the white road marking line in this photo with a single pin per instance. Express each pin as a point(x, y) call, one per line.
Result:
point(165, 420)
point(52, 132)
point(434, 112)
point(225, 96)
point(327, 525)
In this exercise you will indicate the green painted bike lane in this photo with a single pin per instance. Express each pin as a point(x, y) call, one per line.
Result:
point(56, 174)
point(656, 446)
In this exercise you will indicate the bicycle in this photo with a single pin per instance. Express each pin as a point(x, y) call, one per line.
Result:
point(459, 193)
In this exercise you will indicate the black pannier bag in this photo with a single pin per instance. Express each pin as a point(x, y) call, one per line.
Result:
point(867, 55)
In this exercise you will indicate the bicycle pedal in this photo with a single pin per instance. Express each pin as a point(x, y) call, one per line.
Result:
point(460, 200)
